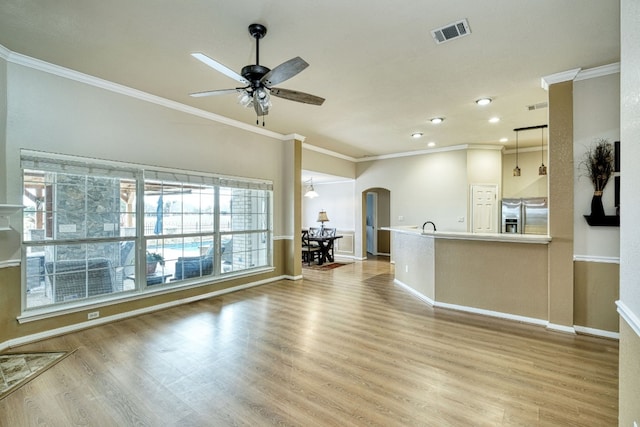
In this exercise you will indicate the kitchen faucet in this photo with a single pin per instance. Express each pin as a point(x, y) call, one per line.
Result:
point(429, 222)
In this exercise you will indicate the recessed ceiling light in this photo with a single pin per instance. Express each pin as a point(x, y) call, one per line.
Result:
point(416, 135)
point(504, 139)
point(437, 120)
point(483, 101)
point(494, 119)
point(431, 144)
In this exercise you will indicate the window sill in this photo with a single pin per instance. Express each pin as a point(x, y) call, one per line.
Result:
point(36, 314)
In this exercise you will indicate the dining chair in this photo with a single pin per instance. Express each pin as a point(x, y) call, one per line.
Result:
point(309, 251)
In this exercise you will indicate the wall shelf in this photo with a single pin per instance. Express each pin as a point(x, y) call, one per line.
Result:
point(603, 221)
point(5, 212)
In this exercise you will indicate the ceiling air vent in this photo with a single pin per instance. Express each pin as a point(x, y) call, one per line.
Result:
point(538, 106)
point(451, 31)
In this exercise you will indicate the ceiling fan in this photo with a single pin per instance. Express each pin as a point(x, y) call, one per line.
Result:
point(259, 80)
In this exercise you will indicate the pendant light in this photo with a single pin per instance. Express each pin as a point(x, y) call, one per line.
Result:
point(542, 170)
point(516, 170)
point(311, 193)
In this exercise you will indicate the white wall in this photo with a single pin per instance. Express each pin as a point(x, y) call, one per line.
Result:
point(426, 187)
point(596, 114)
point(337, 199)
point(529, 183)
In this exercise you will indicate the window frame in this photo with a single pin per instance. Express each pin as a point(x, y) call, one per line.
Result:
point(141, 175)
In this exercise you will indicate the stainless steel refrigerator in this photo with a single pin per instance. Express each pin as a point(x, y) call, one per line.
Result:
point(535, 215)
point(511, 216)
point(528, 215)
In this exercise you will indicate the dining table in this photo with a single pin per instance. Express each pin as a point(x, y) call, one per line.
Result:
point(326, 247)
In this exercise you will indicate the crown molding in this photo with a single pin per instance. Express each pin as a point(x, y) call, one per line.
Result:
point(578, 74)
point(524, 150)
point(563, 76)
point(426, 151)
point(604, 70)
point(403, 154)
point(37, 64)
point(328, 152)
point(4, 52)
point(293, 136)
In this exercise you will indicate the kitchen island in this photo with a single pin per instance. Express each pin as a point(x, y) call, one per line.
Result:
point(503, 275)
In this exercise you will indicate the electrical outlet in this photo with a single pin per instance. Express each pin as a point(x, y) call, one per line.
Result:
point(460, 219)
point(406, 268)
point(93, 315)
point(400, 218)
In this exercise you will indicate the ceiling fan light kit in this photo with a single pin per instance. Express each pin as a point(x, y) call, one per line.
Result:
point(259, 80)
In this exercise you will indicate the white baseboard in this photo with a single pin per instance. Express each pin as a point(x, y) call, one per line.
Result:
point(491, 313)
point(629, 316)
point(596, 332)
point(561, 328)
point(414, 292)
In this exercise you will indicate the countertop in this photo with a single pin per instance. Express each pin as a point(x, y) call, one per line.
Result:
point(461, 235)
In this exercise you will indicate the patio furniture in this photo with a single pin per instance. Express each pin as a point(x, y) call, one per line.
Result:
point(73, 279)
point(194, 266)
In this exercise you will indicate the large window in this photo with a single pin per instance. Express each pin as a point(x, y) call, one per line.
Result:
point(84, 240)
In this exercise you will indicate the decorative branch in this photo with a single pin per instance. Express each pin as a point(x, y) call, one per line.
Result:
point(598, 163)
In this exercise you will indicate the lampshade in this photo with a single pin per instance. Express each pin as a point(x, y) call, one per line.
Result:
point(322, 217)
point(244, 99)
point(311, 193)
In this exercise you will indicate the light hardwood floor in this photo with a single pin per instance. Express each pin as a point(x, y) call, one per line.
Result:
point(344, 347)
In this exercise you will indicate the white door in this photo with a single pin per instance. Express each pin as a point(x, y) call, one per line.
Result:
point(484, 208)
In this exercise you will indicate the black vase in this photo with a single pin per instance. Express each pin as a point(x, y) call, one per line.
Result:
point(597, 210)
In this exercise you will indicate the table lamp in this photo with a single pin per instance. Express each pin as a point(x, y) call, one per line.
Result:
point(322, 218)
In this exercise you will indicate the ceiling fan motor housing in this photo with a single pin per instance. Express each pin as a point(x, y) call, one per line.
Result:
point(253, 73)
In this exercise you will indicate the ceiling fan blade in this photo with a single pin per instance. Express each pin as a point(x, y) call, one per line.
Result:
point(219, 67)
point(284, 71)
point(294, 95)
point(214, 92)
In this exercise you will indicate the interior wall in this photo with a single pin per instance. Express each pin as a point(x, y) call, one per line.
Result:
point(313, 160)
point(596, 291)
point(629, 304)
point(561, 282)
point(50, 113)
point(54, 114)
point(596, 115)
point(426, 187)
point(337, 200)
point(529, 183)
point(497, 276)
point(484, 166)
